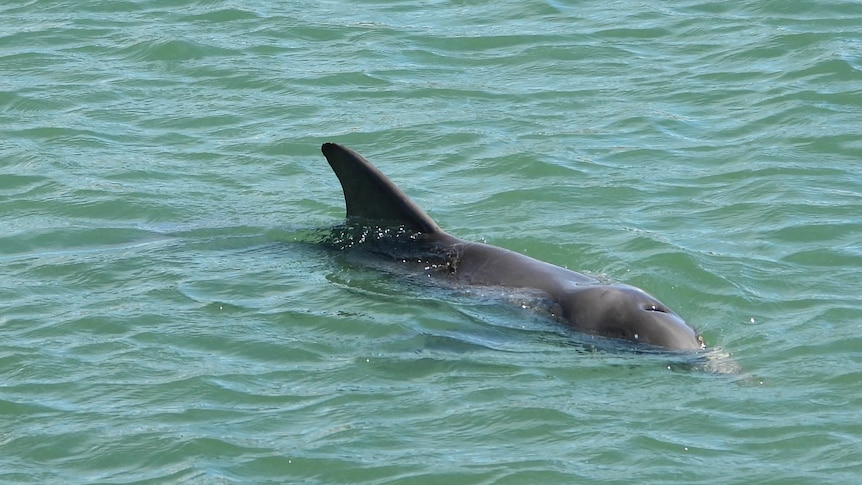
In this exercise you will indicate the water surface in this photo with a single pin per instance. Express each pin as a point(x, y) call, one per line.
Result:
point(165, 321)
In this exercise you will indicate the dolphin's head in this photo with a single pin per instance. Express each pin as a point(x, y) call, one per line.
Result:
point(628, 313)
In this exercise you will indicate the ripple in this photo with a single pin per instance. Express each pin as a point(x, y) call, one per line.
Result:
point(172, 50)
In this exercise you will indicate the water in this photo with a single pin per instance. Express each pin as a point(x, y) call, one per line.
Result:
point(164, 320)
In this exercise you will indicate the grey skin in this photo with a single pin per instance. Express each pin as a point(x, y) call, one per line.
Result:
point(613, 311)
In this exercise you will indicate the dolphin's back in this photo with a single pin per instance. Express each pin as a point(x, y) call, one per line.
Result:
point(614, 311)
point(369, 195)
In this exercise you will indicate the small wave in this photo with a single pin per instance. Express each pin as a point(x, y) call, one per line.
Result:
point(173, 50)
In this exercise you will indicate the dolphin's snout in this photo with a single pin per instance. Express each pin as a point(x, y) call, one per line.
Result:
point(629, 313)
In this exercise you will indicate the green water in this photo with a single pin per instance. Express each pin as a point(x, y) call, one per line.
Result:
point(163, 322)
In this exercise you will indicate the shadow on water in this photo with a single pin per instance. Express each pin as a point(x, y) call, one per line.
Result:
point(375, 262)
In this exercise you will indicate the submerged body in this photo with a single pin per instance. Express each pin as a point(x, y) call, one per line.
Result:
point(613, 311)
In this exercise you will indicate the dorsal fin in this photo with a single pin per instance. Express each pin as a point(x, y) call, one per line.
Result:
point(370, 195)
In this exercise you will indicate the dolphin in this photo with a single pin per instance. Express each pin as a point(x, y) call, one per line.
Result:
point(614, 311)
